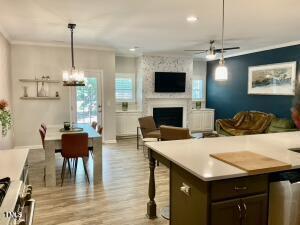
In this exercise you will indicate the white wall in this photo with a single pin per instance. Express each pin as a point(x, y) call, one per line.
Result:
point(35, 61)
point(5, 86)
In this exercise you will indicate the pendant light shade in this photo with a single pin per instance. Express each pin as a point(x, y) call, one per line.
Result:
point(221, 73)
point(73, 77)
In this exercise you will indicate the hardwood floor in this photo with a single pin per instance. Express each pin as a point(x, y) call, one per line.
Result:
point(120, 200)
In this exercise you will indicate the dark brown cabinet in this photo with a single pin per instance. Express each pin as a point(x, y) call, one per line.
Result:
point(256, 210)
point(245, 211)
point(237, 201)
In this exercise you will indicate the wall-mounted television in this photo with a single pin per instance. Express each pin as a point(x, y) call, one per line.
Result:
point(170, 82)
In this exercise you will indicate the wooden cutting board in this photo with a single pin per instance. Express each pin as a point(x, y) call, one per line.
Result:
point(251, 162)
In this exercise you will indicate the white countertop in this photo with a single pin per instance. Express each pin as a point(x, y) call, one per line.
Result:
point(193, 154)
point(129, 111)
point(12, 162)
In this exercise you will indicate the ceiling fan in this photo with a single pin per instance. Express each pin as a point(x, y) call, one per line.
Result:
point(212, 51)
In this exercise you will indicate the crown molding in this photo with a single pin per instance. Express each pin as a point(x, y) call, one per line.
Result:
point(49, 44)
point(5, 34)
point(271, 47)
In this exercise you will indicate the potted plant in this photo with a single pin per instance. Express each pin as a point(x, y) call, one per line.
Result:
point(124, 106)
point(5, 117)
point(198, 105)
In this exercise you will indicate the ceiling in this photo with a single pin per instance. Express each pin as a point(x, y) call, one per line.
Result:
point(155, 26)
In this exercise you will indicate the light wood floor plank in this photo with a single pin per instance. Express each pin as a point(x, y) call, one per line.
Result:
point(120, 200)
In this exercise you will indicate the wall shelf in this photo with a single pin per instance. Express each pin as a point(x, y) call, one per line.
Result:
point(40, 98)
point(39, 80)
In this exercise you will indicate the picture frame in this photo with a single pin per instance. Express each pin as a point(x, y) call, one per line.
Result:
point(272, 79)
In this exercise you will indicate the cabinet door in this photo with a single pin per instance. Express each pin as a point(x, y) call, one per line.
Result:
point(196, 121)
point(208, 120)
point(255, 210)
point(245, 211)
point(227, 213)
point(188, 198)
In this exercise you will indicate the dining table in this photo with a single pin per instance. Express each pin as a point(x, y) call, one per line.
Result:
point(53, 141)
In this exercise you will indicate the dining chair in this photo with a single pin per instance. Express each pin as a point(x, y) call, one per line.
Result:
point(43, 135)
point(74, 146)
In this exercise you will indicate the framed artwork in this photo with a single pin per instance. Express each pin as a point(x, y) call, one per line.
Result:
point(273, 79)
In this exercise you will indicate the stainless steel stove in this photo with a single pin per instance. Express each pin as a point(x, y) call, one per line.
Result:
point(16, 204)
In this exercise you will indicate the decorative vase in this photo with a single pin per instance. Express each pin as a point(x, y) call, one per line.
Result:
point(198, 105)
point(124, 106)
point(42, 92)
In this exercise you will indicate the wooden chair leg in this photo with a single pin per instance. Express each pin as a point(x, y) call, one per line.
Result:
point(63, 172)
point(85, 170)
point(76, 162)
point(69, 166)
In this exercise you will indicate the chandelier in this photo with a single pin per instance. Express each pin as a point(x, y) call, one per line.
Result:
point(73, 77)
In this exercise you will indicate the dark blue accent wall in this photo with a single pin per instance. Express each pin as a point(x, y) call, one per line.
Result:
point(231, 96)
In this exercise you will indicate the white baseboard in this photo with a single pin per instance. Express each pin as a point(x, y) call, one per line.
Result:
point(29, 146)
point(110, 142)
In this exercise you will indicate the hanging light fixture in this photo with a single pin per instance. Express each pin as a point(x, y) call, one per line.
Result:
point(221, 72)
point(73, 77)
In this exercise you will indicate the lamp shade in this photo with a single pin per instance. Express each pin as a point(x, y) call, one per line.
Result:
point(221, 73)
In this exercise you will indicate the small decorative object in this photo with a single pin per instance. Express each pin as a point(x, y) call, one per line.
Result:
point(5, 117)
point(25, 92)
point(56, 94)
point(67, 125)
point(42, 92)
point(273, 79)
point(198, 105)
point(124, 106)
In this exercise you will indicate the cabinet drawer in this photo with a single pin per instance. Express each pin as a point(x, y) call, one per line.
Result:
point(238, 187)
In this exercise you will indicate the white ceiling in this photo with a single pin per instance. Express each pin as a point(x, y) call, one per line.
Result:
point(156, 26)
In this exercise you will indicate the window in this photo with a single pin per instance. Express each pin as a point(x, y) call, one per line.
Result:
point(197, 90)
point(125, 87)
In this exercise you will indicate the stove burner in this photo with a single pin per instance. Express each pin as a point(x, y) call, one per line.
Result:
point(4, 184)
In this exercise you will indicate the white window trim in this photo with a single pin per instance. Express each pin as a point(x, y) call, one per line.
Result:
point(133, 77)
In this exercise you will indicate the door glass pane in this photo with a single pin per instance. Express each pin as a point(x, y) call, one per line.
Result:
point(87, 101)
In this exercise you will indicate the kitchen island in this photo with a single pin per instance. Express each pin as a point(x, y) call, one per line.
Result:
point(206, 191)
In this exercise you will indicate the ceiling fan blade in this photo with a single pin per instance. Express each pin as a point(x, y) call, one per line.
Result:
point(226, 49)
point(195, 50)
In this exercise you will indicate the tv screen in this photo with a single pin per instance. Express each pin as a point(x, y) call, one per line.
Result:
point(169, 82)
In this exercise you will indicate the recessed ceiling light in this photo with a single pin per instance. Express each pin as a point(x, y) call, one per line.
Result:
point(192, 19)
point(133, 49)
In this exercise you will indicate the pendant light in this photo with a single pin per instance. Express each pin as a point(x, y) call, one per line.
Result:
point(221, 73)
point(73, 77)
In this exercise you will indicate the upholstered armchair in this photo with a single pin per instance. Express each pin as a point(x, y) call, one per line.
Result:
point(169, 133)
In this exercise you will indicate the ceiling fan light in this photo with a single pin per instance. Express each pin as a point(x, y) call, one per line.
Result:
point(211, 56)
point(221, 73)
